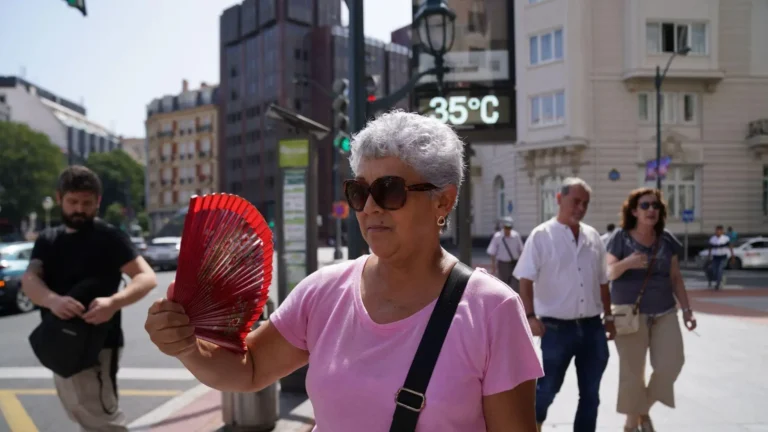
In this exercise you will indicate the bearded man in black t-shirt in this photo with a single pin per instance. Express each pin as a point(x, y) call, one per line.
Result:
point(75, 271)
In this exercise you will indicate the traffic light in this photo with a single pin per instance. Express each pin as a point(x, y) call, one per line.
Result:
point(77, 4)
point(341, 119)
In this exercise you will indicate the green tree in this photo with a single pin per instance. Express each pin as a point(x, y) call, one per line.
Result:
point(122, 179)
point(115, 214)
point(29, 167)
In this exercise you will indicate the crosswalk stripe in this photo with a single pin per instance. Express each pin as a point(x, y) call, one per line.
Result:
point(137, 374)
point(15, 414)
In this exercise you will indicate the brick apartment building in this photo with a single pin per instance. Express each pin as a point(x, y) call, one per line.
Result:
point(280, 51)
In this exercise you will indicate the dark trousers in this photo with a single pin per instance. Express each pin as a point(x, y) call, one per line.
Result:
point(584, 340)
point(505, 270)
point(718, 267)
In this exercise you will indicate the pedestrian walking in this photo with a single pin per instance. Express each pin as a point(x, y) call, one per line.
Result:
point(74, 275)
point(564, 287)
point(720, 248)
point(505, 249)
point(608, 233)
point(646, 287)
point(362, 321)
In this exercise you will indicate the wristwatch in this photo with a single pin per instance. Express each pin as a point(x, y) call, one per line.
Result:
point(609, 318)
point(689, 310)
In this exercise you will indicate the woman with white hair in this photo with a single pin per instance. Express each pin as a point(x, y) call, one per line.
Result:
point(359, 323)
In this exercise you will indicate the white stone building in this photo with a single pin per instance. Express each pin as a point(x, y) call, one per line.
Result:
point(585, 106)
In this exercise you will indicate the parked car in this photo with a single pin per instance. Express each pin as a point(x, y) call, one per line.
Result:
point(139, 244)
point(14, 259)
point(163, 252)
point(750, 253)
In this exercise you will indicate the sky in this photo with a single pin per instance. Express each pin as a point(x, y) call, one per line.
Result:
point(127, 52)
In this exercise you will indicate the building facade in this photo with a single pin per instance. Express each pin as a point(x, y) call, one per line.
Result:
point(5, 110)
point(136, 148)
point(586, 107)
point(263, 51)
point(64, 122)
point(288, 53)
point(182, 151)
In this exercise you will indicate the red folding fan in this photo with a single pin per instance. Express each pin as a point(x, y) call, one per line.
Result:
point(225, 268)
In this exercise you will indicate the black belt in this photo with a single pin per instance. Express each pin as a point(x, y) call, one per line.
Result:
point(585, 320)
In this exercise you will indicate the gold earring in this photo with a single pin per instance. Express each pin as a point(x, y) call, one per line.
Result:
point(441, 221)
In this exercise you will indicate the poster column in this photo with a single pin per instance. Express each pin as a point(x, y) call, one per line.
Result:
point(293, 163)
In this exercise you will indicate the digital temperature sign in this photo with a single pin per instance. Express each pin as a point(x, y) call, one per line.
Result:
point(468, 110)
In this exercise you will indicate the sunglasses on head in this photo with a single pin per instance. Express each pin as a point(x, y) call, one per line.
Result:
point(388, 192)
point(646, 205)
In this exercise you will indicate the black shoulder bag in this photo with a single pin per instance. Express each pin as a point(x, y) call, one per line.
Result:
point(410, 399)
point(67, 347)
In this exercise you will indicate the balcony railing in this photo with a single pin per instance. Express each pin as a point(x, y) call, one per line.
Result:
point(757, 135)
point(205, 128)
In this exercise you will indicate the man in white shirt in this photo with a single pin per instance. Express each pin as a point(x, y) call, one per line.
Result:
point(505, 249)
point(720, 248)
point(564, 288)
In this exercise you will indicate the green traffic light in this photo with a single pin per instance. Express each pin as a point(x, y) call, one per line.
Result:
point(341, 142)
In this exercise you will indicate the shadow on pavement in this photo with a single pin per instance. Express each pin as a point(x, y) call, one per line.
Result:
point(742, 303)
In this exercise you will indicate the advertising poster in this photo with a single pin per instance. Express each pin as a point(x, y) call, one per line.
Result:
point(650, 168)
point(295, 225)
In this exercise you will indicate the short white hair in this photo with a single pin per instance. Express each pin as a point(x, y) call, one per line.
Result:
point(570, 182)
point(429, 146)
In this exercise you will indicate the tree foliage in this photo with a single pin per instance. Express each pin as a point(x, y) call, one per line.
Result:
point(122, 179)
point(29, 167)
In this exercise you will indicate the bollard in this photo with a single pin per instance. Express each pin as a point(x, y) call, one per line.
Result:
point(255, 411)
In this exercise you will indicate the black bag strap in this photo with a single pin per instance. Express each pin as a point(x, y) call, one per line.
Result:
point(410, 399)
point(504, 242)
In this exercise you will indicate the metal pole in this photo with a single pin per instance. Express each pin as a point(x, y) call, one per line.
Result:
point(657, 83)
point(357, 107)
point(337, 176)
point(464, 223)
point(311, 179)
point(685, 255)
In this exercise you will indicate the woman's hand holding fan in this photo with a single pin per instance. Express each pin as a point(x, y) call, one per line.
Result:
point(223, 277)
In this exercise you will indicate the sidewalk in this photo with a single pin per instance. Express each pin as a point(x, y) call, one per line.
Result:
point(719, 389)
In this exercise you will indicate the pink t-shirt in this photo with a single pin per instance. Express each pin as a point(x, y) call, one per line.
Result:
point(356, 366)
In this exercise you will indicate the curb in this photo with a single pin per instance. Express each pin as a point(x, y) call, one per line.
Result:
point(199, 409)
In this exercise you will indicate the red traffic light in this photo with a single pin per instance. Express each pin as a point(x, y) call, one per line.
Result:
point(371, 98)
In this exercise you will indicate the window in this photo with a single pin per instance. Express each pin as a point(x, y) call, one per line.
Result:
point(167, 198)
point(546, 48)
point(765, 190)
point(681, 189)
point(676, 108)
point(548, 109)
point(498, 190)
point(548, 192)
point(668, 37)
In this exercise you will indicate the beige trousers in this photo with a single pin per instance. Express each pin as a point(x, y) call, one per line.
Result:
point(88, 398)
point(662, 336)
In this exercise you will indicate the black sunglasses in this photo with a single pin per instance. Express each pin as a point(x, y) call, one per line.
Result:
point(388, 192)
point(646, 205)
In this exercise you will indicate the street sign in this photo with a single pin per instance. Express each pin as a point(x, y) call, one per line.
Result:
point(510, 207)
point(340, 209)
point(687, 216)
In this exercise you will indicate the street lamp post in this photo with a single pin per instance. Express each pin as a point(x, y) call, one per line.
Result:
point(657, 84)
point(435, 23)
point(47, 206)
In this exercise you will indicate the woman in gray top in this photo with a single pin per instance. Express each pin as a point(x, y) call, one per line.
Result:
point(633, 269)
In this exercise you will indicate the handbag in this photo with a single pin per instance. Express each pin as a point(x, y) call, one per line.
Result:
point(627, 317)
point(67, 347)
point(410, 399)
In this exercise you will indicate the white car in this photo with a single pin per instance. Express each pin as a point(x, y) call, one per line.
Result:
point(750, 253)
point(163, 252)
